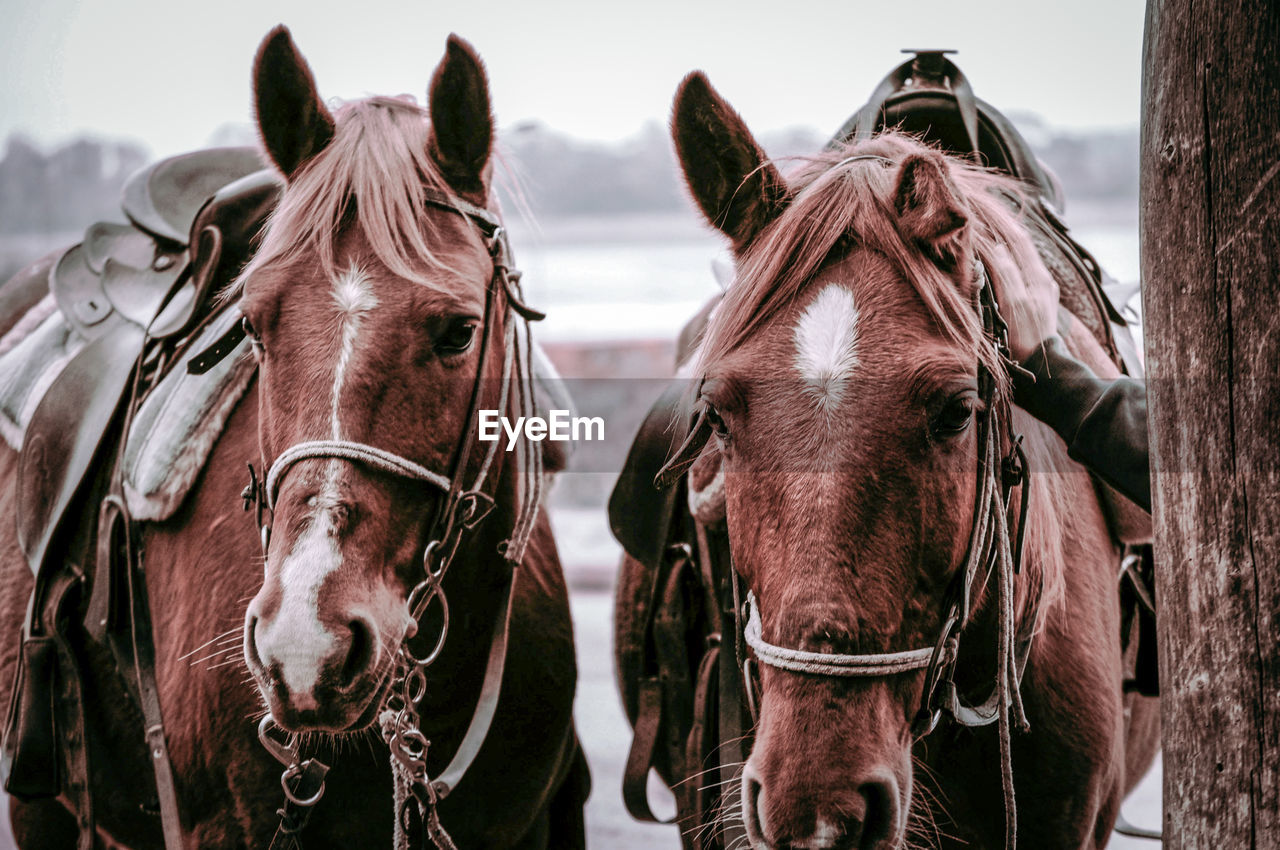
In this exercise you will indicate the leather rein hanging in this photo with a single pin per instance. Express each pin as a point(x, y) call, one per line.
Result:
point(994, 552)
point(460, 510)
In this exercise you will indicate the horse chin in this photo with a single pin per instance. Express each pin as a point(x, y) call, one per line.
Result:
point(339, 714)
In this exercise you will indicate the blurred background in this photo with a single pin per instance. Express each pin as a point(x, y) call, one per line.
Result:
point(610, 244)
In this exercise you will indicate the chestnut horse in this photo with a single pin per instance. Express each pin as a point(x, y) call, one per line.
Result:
point(382, 316)
point(842, 380)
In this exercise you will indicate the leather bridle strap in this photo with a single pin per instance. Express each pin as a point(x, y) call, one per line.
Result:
point(487, 704)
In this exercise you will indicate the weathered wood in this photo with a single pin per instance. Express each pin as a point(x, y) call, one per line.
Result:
point(1211, 267)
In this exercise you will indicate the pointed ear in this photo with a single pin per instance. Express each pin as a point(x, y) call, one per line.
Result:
point(292, 120)
point(461, 122)
point(930, 208)
point(737, 188)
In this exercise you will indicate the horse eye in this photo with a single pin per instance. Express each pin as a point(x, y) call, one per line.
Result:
point(716, 421)
point(457, 338)
point(956, 416)
point(251, 332)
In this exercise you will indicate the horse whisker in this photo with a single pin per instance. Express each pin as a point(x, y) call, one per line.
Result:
point(217, 638)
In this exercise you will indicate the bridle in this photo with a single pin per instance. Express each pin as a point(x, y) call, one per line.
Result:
point(462, 507)
point(994, 551)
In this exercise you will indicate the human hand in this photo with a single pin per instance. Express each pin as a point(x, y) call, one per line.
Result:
point(1028, 297)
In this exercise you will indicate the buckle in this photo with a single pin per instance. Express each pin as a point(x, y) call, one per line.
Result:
point(937, 675)
point(1013, 469)
point(472, 507)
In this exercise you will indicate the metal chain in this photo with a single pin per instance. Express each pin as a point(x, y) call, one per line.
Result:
point(416, 796)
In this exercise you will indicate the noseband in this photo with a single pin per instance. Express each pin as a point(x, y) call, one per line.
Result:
point(994, 550)
point(461, 509)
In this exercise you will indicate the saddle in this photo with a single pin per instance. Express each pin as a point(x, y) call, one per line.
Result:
point(134, 297)
point(679, 652)
point(117, 288)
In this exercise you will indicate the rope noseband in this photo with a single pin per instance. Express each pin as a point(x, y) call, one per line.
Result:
point(829, 663)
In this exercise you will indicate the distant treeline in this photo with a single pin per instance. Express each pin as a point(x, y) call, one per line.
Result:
point(555, 175)
point(64, 189)
point(561, 175)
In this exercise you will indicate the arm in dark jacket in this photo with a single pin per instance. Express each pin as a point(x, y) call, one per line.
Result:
point(1103, 423)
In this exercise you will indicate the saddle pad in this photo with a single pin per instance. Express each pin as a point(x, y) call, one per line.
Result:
point(175, 430)
point(34, 353)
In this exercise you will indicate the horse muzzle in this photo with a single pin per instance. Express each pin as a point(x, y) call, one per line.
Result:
point(323, 679)
point(778, 817)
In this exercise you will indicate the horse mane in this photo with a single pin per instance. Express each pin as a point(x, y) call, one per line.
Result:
point(839, 206)
point(375, 171)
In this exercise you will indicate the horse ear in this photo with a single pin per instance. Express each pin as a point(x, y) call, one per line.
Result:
point(461, 121)
point(735, 185)
point(929, 206)
point(292, 120)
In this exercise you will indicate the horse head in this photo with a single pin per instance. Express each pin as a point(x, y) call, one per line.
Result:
point(368, 305)
point(840, 379)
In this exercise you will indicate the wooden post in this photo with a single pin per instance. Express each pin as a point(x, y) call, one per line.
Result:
point(1211, 273)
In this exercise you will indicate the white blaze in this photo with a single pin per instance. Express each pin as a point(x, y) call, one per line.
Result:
point(353, 296)
point(826, 344)
point(296, 639)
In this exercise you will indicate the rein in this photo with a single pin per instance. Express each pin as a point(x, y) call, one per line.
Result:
point(462, 508)
point(994, 550)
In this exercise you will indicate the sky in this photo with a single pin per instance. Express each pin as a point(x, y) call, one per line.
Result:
point(170, 72)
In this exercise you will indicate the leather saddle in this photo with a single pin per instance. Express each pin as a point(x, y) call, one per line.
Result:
point(930, 97)
point(119, 287)
point(137, 294)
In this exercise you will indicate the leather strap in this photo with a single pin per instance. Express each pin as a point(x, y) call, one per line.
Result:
point(487, 704)
point(31, 731)
point(45, 745)
point(735, 728)
point(306, 788)
point(663, 682)
point(202, 361)
point(142, 645)
point(703, 795)
point(644, 742)
point(72, 730)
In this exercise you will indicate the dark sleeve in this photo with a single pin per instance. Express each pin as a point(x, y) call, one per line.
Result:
point(1103, 423)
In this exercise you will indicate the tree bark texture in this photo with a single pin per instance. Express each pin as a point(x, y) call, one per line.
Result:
point(1210, 228)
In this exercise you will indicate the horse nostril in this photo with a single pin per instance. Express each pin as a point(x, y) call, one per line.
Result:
point(359, 653)
point(752, 811)
point(880, 822)
point(251, 643)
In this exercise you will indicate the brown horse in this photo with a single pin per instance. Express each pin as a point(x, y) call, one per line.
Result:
point(842, 377)
point(381, 319)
